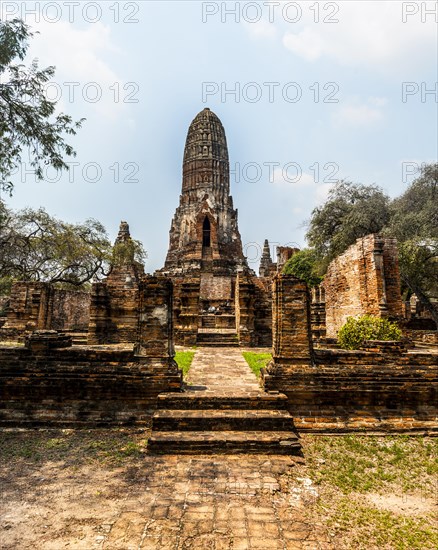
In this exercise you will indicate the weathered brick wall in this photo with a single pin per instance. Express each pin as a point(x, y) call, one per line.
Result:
point(317, 315)
point(114, 307)
point(263, 312)
point(358, 390)
point(49, 382)
point(253, 310)
point(28, 307)
point(291, 333)
point(363, 280)
point(284, 253)
point(215, 287)
point(186, 309)
point(41, 306)
point(337, 390)
point(70, 310)
point(155, 328)
point(81, 385)
point(244, 309)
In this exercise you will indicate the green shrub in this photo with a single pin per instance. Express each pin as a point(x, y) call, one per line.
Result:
point(184, 360)
point(367, 327)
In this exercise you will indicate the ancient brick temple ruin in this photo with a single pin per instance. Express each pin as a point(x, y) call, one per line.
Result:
point(104, 357)
point(213, 285)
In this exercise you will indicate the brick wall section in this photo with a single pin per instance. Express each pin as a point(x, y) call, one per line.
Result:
point(29, 307)
point(50, 383)
point(337, 390)
point(114, 307)
point(244, 309)
point(186, 309)
point(291, 333)
point(253, 310)
point(81, 385)
point(317, 315)
point(358, 390)
point(215, 287)
point(155, 328)
point(363, 280)
point(263, 312)
point(70, 310)
point(41, 306)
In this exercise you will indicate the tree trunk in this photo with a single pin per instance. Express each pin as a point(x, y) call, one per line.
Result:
point(424, 299)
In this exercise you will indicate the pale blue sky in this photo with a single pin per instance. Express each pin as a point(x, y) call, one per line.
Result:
point(167, 54)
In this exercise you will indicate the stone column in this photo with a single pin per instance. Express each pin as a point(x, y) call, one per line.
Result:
point(154, 347)
point(380, 274)
point(155, 326)
point(244, 309)
point(291, 332)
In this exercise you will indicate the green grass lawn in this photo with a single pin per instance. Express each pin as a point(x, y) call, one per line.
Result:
point(256, 361)
point(184, 360)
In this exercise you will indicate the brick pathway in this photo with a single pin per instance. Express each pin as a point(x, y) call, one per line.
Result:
point(221, 371)
point(222, 501)
point(215, 503)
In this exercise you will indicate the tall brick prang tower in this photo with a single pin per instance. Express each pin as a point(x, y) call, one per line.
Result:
point(204, 236)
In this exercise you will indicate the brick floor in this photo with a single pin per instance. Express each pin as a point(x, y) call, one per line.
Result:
point(221, 371)
point(222, 501)
point(225, 502)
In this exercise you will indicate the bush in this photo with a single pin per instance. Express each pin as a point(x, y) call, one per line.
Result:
point(367, 327)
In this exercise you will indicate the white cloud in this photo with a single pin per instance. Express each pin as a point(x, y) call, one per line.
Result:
point(322, 191)
point(291, 175)
point(360, 114)
point(78, 56)
point(369, 33)
point(308, 44)
point(378, 101)
point(261, 29)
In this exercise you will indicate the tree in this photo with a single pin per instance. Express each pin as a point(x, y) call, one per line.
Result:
point(35, 246)
point(354, 210)
point(304, 265)
point(27, 117)
point(414, 222)
point(351, 211)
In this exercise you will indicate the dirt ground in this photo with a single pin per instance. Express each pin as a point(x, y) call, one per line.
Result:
point(99, 489)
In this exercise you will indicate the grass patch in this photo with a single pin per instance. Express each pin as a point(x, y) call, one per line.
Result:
point(349, 471)
point(184, 360)
point(367, 527)
point(256, 361)
point(371, 463)
point(110, 447)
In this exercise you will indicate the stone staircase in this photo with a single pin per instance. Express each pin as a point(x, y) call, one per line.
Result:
point(200, 422)
point(78, 338)
point(208, 321)
point(217, 337)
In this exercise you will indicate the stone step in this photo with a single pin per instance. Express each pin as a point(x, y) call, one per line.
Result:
point(208, 322)
point(217, 339)
point(203, 400)
point(215, 420)
point(217, 336)
point(233, 344)
point(200, 442)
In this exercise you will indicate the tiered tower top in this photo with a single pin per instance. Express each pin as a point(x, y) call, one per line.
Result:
point(204, 236)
